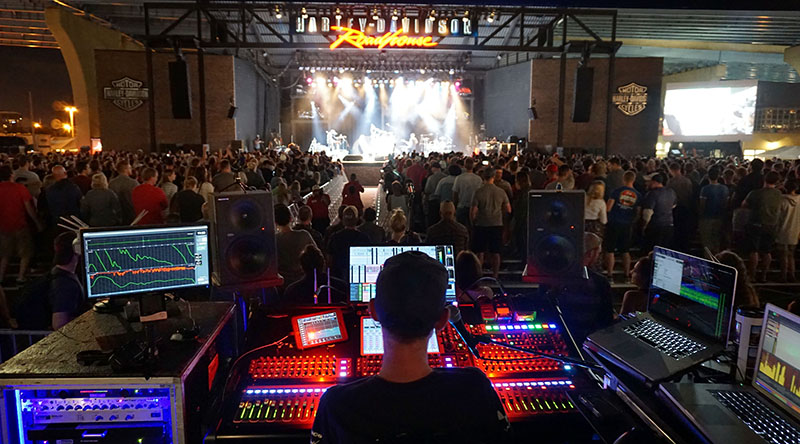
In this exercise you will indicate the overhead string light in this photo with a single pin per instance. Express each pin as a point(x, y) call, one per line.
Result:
point(278, 14)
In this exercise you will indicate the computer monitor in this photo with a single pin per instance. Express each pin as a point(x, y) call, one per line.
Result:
point(372, 338)
point(121, 261)
point(778, 367)
point(692, 292)
point(367, 262)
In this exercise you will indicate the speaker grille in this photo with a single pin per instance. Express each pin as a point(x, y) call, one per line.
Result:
point(247, 257)
point(245, 215)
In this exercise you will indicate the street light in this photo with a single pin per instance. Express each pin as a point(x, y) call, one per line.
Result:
point(37, 125)
point(68, 128)
point(71, 110)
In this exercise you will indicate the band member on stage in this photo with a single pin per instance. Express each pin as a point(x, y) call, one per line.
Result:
point(408, 402)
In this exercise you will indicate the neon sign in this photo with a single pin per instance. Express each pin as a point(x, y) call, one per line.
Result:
point(394, 39)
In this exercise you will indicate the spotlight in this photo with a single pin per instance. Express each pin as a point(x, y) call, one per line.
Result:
point(278, 14)
point(338, 14)
point(490, 19)
point(375, 15)
point(422, 71)
point(452, 71)
point(394, 15)
point(433, 13)
point(304, 13)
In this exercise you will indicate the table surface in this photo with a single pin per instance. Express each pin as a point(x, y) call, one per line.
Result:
point(55, 355)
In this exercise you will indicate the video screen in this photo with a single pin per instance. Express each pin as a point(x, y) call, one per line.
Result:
point(123, 261)
point(710, 110)
point(779, 364)
point(319, 329)
point(367, 262)
point(372, 338)
point(695, 293)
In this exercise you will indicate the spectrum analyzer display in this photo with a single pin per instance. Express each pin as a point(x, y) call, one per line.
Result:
point(148, 259)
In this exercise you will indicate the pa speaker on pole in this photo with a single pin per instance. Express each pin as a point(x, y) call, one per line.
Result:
point(582, 96)
point(179, 90)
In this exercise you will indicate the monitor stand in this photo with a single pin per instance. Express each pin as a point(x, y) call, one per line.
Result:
point(110, 306)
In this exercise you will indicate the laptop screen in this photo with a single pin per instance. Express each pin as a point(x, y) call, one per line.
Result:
point(778, 370)
point(692, 293)
point(367, 262)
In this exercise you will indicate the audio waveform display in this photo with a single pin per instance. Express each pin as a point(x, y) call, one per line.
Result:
point(785, 375)
point(700, 296)
point(129, 261)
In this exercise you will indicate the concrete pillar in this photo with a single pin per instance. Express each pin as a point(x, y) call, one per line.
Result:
point(792, 56)
point(78, 37)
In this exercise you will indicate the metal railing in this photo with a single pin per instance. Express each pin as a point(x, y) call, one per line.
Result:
point(14, 341)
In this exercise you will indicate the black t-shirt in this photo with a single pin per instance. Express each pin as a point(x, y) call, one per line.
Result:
point(339, 249)
point(448, 406)
point(189, 205)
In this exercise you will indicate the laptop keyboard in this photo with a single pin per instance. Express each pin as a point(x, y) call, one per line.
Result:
point(758, 416)
point(666, 340)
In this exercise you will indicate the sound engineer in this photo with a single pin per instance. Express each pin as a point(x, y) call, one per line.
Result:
point(408, 402)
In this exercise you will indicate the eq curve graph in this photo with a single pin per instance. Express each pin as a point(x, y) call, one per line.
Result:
point(134, 263)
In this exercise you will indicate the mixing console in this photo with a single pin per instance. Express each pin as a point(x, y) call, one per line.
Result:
point(294, 405)
point(315, 366)
point(285, 385)
point(526, 397)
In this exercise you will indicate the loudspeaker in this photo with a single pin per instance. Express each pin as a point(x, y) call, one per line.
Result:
point(243, 230)
point(555, 236)
point(179, 90)
point(582, 104)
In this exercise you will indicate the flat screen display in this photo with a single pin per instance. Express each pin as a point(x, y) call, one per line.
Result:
point(372, 338)
point(367, 262)
point(136, 260)
point(693, 293)
point(319, 329)
point(778, 372)
point(709, 111)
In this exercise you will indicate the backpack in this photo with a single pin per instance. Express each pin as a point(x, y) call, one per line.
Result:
point(33, 311)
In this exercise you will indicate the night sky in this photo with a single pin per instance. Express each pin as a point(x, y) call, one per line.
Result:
point(41, 71)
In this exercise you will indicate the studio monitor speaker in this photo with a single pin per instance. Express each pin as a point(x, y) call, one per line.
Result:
point(555, 236)
point(243, 230)
point(582, 103)
point(179, 90)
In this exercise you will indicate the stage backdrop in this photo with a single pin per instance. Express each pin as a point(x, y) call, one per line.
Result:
point(124, 123)
point(634, 126)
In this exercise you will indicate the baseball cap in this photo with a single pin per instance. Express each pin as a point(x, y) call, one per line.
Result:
point(410, 294)
point(658, 177)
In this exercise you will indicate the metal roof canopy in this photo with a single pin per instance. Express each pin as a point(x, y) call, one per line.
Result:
point(227, 26)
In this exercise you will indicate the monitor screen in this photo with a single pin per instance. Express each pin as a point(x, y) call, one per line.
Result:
point(778, 371)
point(367, 262)
point(372, 339)
point(319, 329)
point(693, 293)
point(709, 110)
point(136, 260)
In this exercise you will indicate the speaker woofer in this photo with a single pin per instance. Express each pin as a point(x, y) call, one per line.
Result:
point(248, 257)
point(555, 253)
point(245, 215)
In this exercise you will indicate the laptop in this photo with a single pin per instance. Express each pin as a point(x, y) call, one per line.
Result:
point(766, 411)
point(367, 262)
point(687, 321)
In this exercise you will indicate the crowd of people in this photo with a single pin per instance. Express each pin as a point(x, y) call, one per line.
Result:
point(726, 207)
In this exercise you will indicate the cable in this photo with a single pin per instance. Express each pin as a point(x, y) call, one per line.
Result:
point(236, 362)
point(489, 278)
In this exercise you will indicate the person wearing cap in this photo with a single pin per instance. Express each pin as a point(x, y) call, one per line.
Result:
point(657, 208)
point(552, 174)
point(489, 204)
point(408, 401)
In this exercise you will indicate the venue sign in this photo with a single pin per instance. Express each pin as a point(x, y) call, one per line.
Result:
point(631, 99)
point(327, 24)
point(396, 39)
point(126, 93)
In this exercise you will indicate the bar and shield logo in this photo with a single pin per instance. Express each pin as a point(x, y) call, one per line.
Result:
point(631, 99)
point(126, 93)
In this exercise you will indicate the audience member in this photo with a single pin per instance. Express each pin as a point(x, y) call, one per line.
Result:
point(305, 291)
point(489, 204)
point(147, 197)
point(123, 186)
point(376, 234)
point(16, 239)
point(100, 207)
point(448, 231)
point(290, 243)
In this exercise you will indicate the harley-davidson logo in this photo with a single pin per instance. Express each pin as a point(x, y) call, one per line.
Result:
point(126, 93)
point(631, 99)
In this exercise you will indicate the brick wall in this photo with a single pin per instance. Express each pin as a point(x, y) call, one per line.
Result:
point(130, 130)
point(630, 135)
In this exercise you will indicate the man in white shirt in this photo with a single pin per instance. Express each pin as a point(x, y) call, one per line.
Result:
point(463, 190)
